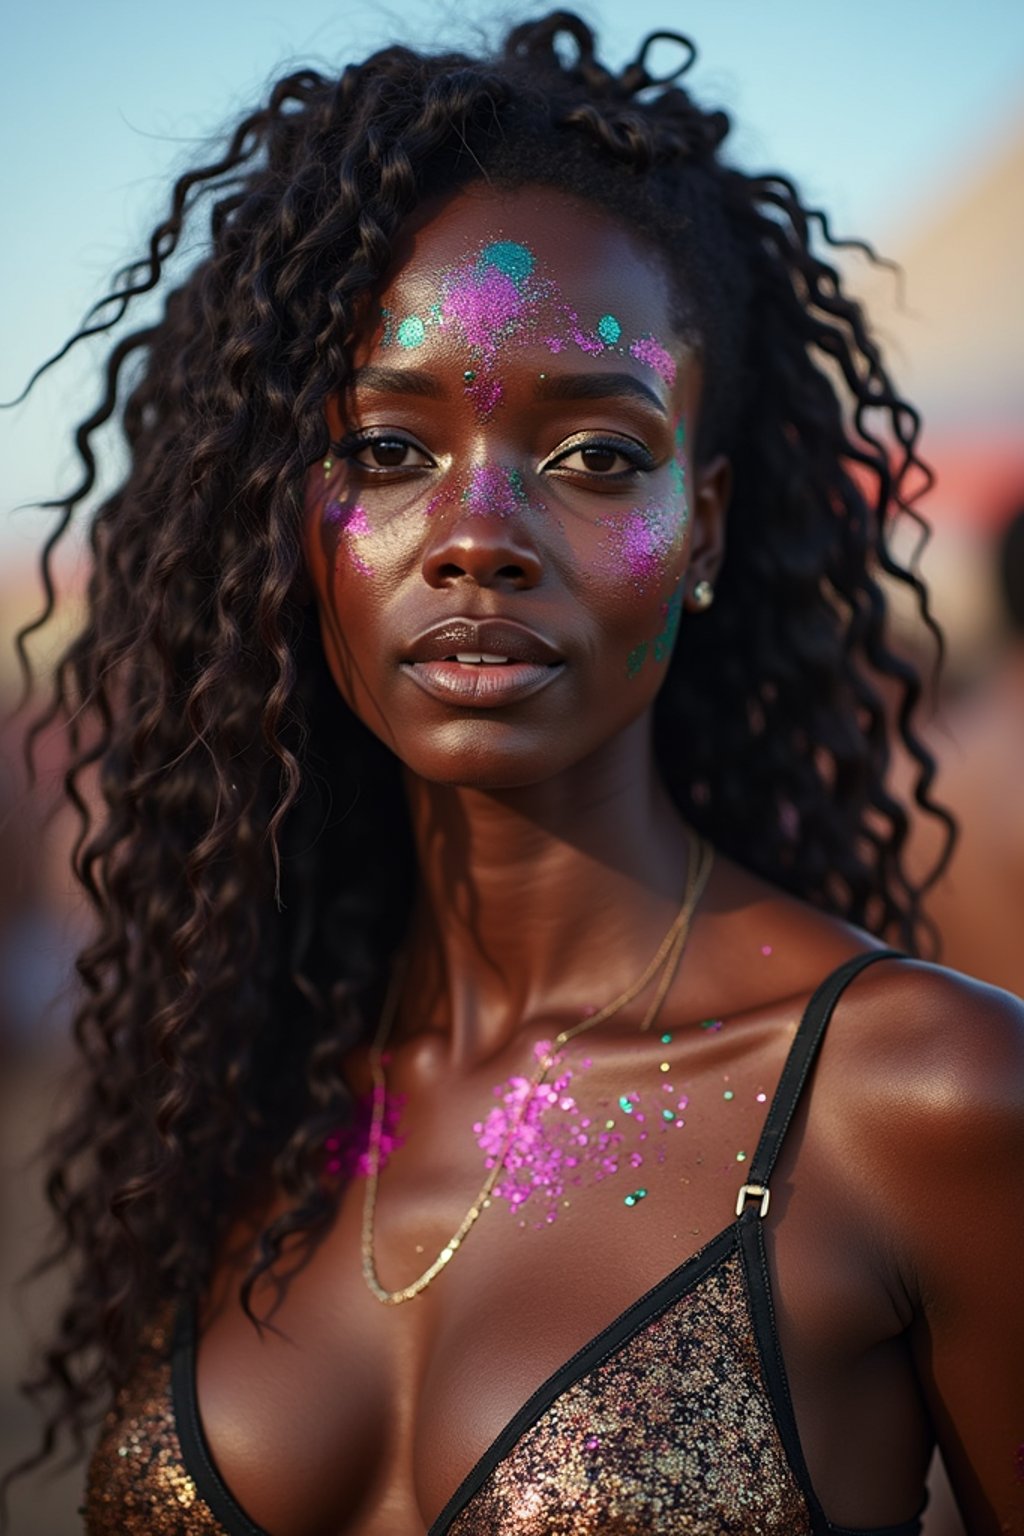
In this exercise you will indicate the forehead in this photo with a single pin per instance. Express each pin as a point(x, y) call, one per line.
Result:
point(532, 246)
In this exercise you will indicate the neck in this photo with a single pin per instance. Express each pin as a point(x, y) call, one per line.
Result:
point(540, 902)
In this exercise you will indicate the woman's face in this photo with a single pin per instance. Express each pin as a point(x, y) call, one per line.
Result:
point(504, 538)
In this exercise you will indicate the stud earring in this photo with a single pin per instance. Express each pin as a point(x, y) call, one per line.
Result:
point(702, 596)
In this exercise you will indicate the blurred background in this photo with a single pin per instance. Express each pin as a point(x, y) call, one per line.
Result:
point(904, 121)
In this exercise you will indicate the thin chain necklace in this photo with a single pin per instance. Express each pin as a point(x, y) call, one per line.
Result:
point(667, 959)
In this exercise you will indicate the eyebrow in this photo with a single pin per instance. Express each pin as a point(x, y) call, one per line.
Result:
point(559, 386)
point(597, 386)
point(399, 381)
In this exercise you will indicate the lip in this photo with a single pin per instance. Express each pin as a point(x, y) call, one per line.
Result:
point(533, 662)
point(498, 637)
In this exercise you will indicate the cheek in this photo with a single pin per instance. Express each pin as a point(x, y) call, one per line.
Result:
point(344, 535)
point(339, 533)
point(645, 545)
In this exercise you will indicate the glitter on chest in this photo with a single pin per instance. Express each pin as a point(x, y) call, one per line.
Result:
point(546, 1142)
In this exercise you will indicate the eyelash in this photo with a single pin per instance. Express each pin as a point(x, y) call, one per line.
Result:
point(348, 447)
point(639, 459)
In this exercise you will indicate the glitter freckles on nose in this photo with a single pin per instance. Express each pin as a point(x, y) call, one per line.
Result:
point(494, 492)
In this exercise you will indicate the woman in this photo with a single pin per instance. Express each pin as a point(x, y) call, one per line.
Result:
point(488, 615)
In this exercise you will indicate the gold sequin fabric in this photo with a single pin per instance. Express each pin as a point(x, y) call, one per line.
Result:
point(672, 1433)
point(137, 1483)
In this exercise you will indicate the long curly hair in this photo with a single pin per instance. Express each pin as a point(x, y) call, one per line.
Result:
point(244, 841)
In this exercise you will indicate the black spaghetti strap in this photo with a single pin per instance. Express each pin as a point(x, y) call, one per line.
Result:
point(799, 1062)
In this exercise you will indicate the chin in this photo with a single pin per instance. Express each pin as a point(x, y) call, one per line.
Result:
point(488, 755)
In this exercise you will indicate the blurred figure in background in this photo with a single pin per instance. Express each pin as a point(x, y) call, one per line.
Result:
point(978, 739)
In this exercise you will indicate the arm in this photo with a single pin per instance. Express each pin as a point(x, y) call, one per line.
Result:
point(955, 1179)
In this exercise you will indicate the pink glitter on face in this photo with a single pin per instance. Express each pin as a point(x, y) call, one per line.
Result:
point(494, 492)
point(645, 539)
point(651, 352)
point(342, 523)
point(486, 303)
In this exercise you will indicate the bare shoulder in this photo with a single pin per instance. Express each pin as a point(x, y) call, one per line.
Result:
point(939, 1044)
point(920, 1097)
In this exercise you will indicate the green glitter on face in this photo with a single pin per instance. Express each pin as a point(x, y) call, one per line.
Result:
point(625, 1105)
point(636, 659)
point(509, 257)
point(666, 638)
point(666, 1039)
point(728, 1094)
point(411, 332)
point(469, 375)
point(676, 467)
point(635, 1197)
point(668, 1114)
point(609, 330)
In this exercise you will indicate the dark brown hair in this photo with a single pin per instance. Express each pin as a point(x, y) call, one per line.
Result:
point(250, 863)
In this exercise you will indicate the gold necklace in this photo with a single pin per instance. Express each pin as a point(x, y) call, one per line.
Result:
point(668, 956)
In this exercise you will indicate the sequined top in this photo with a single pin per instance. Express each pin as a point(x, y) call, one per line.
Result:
point(675, 1418)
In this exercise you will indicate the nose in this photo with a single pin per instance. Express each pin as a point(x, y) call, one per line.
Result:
point(484, 537)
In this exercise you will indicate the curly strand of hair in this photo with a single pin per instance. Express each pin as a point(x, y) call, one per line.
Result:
point(236, 875)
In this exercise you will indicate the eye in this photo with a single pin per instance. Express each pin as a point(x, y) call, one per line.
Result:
point(604, 459)
point(383, 451)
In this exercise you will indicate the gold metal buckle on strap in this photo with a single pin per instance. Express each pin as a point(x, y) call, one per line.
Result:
point(753, 1192)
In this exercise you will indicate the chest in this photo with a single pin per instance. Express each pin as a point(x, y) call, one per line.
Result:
point(345, 1408)
point(350, 1415)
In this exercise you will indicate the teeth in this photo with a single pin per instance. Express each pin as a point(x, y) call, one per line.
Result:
point(475, 658)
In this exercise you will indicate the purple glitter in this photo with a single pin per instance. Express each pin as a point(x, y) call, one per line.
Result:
point(487, 305)
point(347, 1150)
point(541, 1159)
point(646, 537)
point(494, 492)
point(542, 1153)
point(652, 353)
point(349, 521)
point(486, 393)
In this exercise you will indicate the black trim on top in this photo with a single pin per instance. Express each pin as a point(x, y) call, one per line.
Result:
point(586, 1359)
point(766, 1335)
point(801, 1058)
point(802, 1052)
point(195, 1453)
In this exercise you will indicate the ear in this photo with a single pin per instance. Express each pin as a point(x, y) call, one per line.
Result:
point(713, 487)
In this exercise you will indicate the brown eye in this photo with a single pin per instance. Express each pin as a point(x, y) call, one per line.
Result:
point(385, 453)
point(600, 459)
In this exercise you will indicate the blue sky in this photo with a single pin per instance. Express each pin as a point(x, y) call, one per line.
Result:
point(872, 106)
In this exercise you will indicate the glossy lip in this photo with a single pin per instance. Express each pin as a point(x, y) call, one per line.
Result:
point(498, 637)
point(533, 662)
